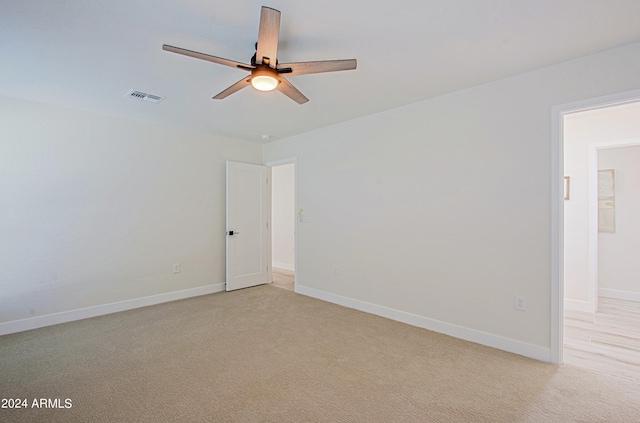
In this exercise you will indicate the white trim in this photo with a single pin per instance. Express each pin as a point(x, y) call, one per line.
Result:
point(284, 266)
point(577, 305)
point(557, 237)
point(557, 206)
point(483, 338)
point(619, 295)
point(281, 162)
point(100, 310)
point(631, 142)
point(592, 222)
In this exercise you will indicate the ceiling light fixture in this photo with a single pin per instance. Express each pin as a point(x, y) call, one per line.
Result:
point(266, 73)
point(264, 79)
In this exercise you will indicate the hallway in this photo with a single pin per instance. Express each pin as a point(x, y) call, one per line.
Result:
point(606, 342)
point(282, 278)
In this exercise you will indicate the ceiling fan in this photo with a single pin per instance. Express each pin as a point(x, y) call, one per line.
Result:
point(266, 72)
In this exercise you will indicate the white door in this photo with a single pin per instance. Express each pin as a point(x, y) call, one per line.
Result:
point(247, 225)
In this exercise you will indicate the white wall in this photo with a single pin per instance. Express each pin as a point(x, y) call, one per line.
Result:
point(96, 209)
point(582, 130)
point(438, 213)
point(283, 216)
point(619, 267)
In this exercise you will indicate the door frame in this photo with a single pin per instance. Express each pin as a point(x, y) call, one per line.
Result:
point(557, 207)
point(280, 162)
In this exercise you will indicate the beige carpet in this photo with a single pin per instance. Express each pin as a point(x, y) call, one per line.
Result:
point(269, 355)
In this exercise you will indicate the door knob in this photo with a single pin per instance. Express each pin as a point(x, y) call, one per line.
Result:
point(233, 233)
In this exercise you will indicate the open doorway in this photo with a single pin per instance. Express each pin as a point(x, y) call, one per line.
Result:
point(283, 224)
point(601, 324)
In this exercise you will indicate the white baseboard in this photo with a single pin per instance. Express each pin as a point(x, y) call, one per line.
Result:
point(478, 337)
point(576, 305)
point(100, 310)
point(619, 295)
point(284, 266)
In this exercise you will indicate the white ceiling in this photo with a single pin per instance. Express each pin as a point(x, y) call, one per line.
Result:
point(89, 54)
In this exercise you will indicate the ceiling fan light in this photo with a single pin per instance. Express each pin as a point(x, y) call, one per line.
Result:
point(264, 82)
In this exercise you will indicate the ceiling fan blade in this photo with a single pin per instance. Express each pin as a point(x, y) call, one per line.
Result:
point(244, 82)
point(267, 49)
point(290, 91)
point(303, 68)
point(207, 57)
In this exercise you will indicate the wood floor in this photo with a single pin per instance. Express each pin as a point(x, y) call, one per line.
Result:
point(282, 278)
point(606, 342)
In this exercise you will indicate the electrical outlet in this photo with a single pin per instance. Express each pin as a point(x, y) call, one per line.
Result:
point(520, 303)
point(176, 268)
point(335, 269)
